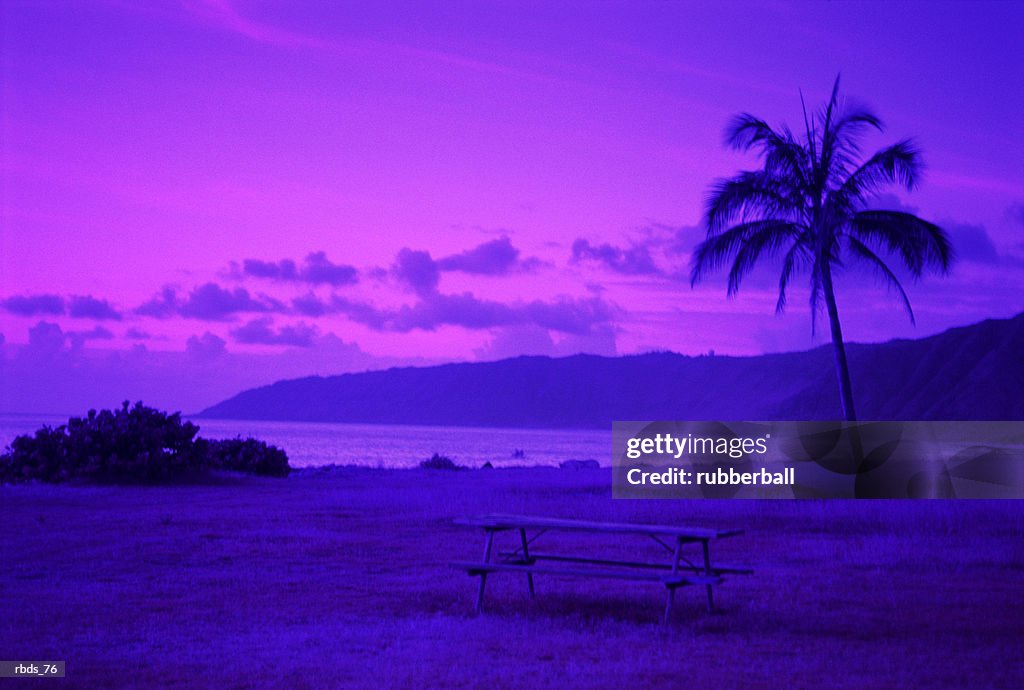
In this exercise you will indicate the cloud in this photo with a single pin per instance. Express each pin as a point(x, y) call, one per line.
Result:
point(364, 313)
point(377, 273)
point(45, 338)
point(34, 305)
point(87, 307)
point(311, 305)
point(162, 305)
point(137, 334)
point(316, 269)
point(285, 269)
point(319, 269)
point(434, 310)
point(76, 306)
point(494, 258)
point(96, 333)
point(972, 243)
point(78, 338)
point(675, 240)
point(513, 341)
point(575, 316)
point(656, 250)
point(634, 260)
point(453, 310)
point(191, 378)
point(208, 302)
point(530, 339)
point(205, 348)
point(261, 332)
point(417, 270)
point(211, 302)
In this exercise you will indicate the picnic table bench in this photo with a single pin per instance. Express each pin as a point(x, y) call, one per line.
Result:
point(677, 571)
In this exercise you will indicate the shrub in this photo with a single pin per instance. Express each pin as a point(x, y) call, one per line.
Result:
point(250, 456)
point(131, 444)
point(440, 462)
point(40, 456)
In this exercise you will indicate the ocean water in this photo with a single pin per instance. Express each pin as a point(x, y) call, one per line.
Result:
point(373, 445)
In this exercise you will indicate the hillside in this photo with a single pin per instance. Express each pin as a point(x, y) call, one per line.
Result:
point(973, 372)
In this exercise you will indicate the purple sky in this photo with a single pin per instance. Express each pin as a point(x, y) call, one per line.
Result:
point(253, 190)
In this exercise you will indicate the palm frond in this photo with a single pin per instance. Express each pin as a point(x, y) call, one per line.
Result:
point(853, 122)
point(864, 252)
point(797, 253)
point(782, 154)
point(921, 245)
point(844, 142)
point(744, 243)
point(809, 133)
point(828, 140)
point(897, 164)
point(766, 239)
point(750, 195)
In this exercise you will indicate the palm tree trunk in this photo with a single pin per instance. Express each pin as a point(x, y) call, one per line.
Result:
point(839, 349)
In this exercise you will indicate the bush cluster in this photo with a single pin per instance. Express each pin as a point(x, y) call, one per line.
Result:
point(440, 462)
point(249, 455)
point(131, 444)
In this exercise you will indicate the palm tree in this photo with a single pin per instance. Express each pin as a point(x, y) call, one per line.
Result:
point(809, 202)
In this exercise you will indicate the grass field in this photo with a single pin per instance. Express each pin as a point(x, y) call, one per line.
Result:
point(340, 579)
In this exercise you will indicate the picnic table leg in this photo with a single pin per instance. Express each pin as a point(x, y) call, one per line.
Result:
point(707, 571)
point(483, 576)
point(526, 557)
point(672, 590)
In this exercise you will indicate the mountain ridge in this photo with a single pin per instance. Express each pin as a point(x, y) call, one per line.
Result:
point(967, 372)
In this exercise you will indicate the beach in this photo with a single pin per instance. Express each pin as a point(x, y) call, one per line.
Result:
point(339, 577)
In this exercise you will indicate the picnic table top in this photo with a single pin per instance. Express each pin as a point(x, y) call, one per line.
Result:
point(500, 521)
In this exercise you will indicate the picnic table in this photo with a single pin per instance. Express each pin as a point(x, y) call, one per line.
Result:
point(677, 571)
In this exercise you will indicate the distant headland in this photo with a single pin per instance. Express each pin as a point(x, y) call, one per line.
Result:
point(972, 372)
